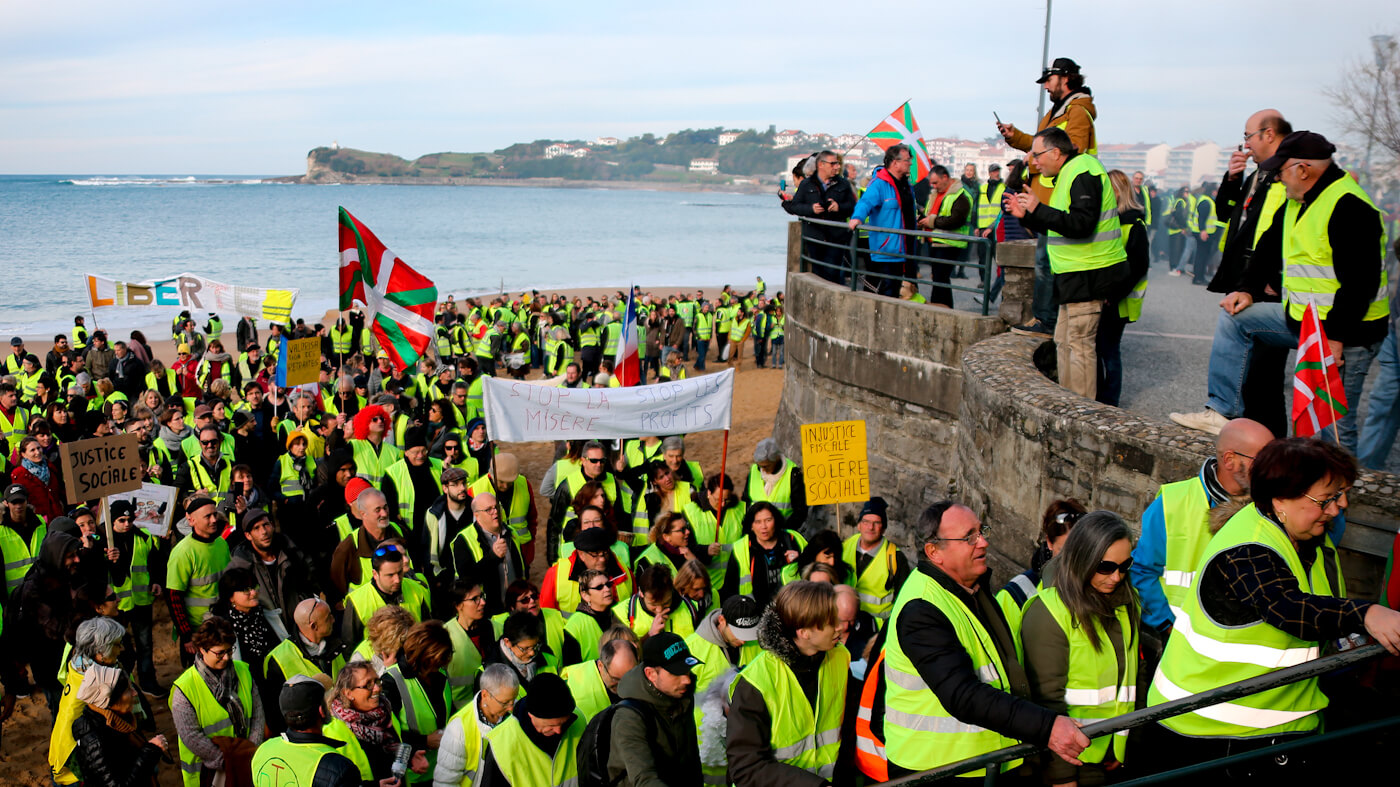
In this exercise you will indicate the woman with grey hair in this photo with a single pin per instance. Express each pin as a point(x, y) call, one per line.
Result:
point(1081, 643)
point(96, 643)
point(109, 751)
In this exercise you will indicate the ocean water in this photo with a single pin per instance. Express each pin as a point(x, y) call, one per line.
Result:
point(467, 239)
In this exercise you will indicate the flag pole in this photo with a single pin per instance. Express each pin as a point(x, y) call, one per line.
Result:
point(723, 461)
point(1327, 379)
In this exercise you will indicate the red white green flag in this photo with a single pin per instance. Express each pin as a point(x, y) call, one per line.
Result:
point(399, 301)
point(1318, 397)
point(901, 128)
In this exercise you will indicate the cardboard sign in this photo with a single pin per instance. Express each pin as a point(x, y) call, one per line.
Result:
point(303, 361)
point(102, 466)
point(834, 464)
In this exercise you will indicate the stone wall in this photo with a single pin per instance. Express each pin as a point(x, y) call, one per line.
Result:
point(955, 407)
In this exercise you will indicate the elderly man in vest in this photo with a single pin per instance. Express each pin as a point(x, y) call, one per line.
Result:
point(778, 480)
point(954, 687)
point(1331, 239)
point(949, 209)
point(1087, 257)
point(312, 650)
point(1071, 110)
point(1178, 524)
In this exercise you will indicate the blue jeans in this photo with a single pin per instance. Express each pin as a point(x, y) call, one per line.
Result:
point(779, 352)
point(1383, 411)
point(1043, 304)
point(1265, 323)
point(702, 346)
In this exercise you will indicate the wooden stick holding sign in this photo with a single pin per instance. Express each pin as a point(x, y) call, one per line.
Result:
point(107, 520)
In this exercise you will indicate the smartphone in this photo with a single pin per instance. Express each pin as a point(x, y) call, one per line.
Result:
point(998, 117)
point(782, 183)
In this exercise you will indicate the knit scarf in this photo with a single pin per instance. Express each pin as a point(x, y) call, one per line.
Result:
point(223, 684)
point(173, 439)
point(374, 727)
point(40, 470)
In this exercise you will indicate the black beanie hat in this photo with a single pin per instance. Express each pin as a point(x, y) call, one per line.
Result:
point(549, 697)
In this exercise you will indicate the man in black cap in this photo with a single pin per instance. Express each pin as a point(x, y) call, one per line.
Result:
point(537, 745)
point(657, 744)
point(15, 360)
point(411, 486)
point(285, 575)
point(137, 575)
point(1328, 235)
point(302, 755)
point(192, 575)
point(1072, 109)
point(877, 567)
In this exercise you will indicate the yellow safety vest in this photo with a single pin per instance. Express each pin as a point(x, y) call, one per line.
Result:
point(194, 570)
point(522, 762)
point(1308, 275)
point(590, 695)
point(875, 587)
point(366, 599)
point(465, 664)
point(518, 518)
point(1104, 248)
point(280, 763)
point(213, 718)
point(293, 662)
point(802, 734)
point(135, 590)
point(398, 475)
point(782, 491)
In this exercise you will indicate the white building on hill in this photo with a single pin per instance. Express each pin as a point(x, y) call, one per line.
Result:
point(708, 166)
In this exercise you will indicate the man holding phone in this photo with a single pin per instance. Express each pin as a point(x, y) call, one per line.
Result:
point(824, 194)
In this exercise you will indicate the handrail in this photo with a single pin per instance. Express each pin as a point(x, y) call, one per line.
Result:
point(1138, 718)
point(854, 272)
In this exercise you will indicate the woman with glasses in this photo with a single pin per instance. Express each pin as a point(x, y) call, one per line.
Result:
point(468, 630)
point(1268, 593)
point(522, 647)
point(1080, 640)
point(217, 712)
point(1055, 525)
point(416, 690)
point(362, 720)
point(672, 543)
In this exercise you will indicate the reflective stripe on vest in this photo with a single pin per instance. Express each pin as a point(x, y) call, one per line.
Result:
point(194, 570)
point(465, 664)
point(404, 488)
point(989, 205)
point(213, 719)
point(1186, 518)
point(945, 208)
point(135, 590)
point(1308, 275)
point(1203, 655)
point(801, 734)
point(875, 587)
point(1130, 308)
point(522, 762)
point(1102, 249)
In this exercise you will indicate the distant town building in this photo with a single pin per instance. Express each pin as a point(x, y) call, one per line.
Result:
point(1192, 163)
point(794, 160)
point(786, 139)
point(729, 137)
point(1149, 158)
point(579, 152)
point(709, 166)
point(604, 142)
point(558, 149)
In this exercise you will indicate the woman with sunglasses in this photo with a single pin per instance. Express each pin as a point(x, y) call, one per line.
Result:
point(1055, 525)
point(216, 709)
point(1080, 639)
point(1269, 591)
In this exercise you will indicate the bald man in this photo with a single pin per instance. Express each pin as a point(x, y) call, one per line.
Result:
point(485, 552)
point(1177, 526)
point(514, 497)
point(313, 650)
point(1241, 200)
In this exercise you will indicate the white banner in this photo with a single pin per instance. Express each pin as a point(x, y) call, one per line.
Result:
point(520, 412)
point(188, 291)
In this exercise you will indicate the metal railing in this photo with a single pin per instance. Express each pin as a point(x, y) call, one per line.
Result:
point(853, 265)
point(1138, 718)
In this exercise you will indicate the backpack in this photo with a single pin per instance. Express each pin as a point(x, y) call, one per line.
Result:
point(595, 744)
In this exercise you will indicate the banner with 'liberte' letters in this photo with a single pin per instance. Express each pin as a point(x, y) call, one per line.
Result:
point(519, 412)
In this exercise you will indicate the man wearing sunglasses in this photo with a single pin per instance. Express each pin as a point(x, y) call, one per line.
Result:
point(389, 584)
point(951, 660)
point(210, 472)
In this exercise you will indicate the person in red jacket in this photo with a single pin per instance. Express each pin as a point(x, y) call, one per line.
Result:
point(39, 479)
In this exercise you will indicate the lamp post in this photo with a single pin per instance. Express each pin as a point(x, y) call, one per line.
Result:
point(1045, 62)
point(1384, 47)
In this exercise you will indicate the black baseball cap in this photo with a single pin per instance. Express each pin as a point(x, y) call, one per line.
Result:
point(1302, 145)
point(741, 614)
point(1062, 66)
point(301, 694)
point(669, 652)
point(14, 493)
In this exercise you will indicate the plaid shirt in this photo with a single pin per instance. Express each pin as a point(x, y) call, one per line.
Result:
point(1251, 582)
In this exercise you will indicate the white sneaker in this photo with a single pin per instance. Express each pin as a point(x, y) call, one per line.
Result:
point(1206, 420)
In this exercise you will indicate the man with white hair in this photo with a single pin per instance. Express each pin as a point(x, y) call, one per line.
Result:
point(463, 740)
point(778, 480)
point(350, 563)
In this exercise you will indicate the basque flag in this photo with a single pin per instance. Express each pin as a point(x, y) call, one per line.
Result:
point(1319, 399)
point(629, 366)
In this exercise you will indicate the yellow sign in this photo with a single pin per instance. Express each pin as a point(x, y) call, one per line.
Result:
point(303, 361)
point(834, 464)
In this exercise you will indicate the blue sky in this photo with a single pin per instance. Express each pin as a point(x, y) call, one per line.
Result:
point(152, 86)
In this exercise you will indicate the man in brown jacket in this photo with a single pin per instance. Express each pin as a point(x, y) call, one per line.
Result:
point(1071, 109)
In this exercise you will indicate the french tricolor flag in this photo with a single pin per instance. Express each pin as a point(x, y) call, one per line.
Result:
point(629, 366)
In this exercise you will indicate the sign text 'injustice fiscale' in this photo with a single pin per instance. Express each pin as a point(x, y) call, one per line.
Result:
point(521, 411)
point(835, 466)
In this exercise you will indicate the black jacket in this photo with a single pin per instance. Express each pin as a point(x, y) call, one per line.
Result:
point(1080, 221)
point(106, 758)
point(1239, 202)
point(290, 580)
point(661, 749)
point(749, 734)
point(1354, 232)
point(810, 192)
point(927, 636)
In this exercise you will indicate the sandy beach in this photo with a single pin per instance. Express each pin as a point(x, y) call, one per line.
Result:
point(24, 745)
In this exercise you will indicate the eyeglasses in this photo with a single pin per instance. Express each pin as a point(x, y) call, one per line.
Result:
point(594, 553)
point(1036, 156)
point(451, 447)
point(378, 419)
point(219, 653)
point(1246, 456)
point(479, 598)
point(523, 650)
point(597, 587)
point(386, 549)
point(526, 598)
point(1291, 166)
point(507, 704)
point(367, 687)
point(1068, 517)
point(1327, 501)
point(1249, 134)
point(1107, 567)
point(209, 442)
point(971, 538)
point(591, 461)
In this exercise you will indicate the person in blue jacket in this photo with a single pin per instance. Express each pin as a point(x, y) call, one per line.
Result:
point(888, 202)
